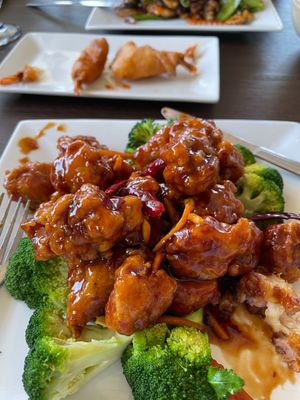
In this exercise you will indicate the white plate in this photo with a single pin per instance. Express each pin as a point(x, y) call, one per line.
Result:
point(55, 53)
point(265, 21)
point(111, 385)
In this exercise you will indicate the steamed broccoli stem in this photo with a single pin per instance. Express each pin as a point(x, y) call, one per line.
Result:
point(141, 133)
point(36, 282)
point(266, 172)
point(56, 368)
point(248, 156)
point(259, 195)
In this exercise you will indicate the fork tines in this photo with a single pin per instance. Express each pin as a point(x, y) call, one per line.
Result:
point(12, 214)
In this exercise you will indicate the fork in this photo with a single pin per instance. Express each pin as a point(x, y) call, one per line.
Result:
point(13, 214)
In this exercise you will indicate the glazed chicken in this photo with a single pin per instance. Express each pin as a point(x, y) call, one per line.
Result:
point(208, 249)
point(90, 286)
point(192, 295)
point(282, 250)
point(220, 202)
point(79, 226)
point(140, 296)
point(30, 181)
point(133, 63)
point(90, 64)
point(80, 162)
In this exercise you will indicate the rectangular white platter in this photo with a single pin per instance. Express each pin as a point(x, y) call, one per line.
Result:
point(265, 21)
point(55, 54)
point(280, 136)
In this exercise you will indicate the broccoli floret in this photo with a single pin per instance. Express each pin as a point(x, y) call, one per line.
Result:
point(36, 282)
point(46, 321)
point(248, 156)
point(266, 172)
point(55, 368)
point(172, 367)
point(259, 194)
point(141, 133)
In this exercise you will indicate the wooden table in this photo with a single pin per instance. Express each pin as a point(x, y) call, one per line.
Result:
point(260, 75)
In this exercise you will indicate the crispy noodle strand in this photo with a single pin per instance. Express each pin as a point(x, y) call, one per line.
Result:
point(146, 230)
point(180, 321)
point(157, 261)
point(189, 205)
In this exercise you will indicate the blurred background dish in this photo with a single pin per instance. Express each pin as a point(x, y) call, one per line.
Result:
point(296, 15)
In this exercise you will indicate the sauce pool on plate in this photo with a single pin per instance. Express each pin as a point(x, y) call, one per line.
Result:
point(251, 354)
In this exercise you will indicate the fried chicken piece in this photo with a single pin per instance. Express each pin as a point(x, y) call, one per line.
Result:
point(210, 249)
point(282, 250)
point(28, 74)
point(220, 202)
point(90, 64)
point(30, 181)
point(64, 141)
point(231, 161)
point(80, 161)
point(139, 297)
point(133, 63)
point(79, 226)
point(192, 295)
point(90, 286)
point(191, 165)
point(280, 306)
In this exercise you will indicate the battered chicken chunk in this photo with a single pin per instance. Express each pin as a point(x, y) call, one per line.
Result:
point(79, 226)
point(30, 181)
point(90, 286)
point(64, 141)
point(220, 202)
point(282, 250)
point(80, 162)
point(192, 295)
point(280, 307)
point(191, 165)
point(203, 129)
point(231, 161)
point(139, 297)
point(210, 249)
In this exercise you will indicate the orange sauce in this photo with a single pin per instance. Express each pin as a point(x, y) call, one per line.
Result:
point(123, 85)
point(42, 131)
point(250, 353)
point(198, 21)
point(24, 160)
point(28, 144)
point(109, 86)
point(61, 128)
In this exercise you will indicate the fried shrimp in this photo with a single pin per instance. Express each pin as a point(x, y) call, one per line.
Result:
point(28, 74)
point(90, 64)
point(133, 63)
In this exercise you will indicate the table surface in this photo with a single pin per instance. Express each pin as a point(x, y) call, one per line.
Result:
point(260, 75)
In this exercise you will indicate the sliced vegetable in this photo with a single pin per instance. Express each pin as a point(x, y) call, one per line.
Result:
point(253, 5)
point(228, 8)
